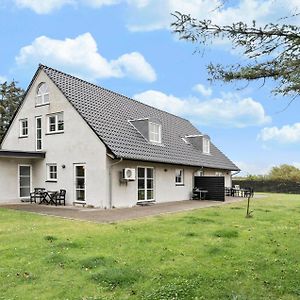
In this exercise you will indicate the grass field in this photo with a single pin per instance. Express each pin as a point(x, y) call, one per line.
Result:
point(212, 253)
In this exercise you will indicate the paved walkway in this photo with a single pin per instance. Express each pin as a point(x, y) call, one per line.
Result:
point(116, 214)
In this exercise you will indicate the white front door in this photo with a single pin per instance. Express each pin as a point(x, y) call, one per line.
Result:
point(145, 184)
point(24, 181)
point(79, 182)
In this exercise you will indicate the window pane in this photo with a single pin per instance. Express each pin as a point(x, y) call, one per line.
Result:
point(150, 195)
point(141, 172)
point(141, 183)
point(24, 171)
point(80, 171)
point(25, 181)
point(141, 195)
point(60, 121)
point(80, 183)
point(80, 195)
point(149, 173)
point(24, 192)
point(150, 184)
point(46, 98)
point(52, 123)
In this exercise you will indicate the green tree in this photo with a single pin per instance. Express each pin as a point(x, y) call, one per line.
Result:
point(10, 97)
point(273, 50)
point(285, 172)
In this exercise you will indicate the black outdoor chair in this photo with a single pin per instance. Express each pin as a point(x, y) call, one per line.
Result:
point(249, 192)
point(37, 195)
point(227, 191)
point(60, 198)
point(195, 194)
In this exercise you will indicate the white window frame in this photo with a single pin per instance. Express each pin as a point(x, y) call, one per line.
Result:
point(206, 146)
point(37, 129)
point(146, 189)
point(220, 174)
point(74, 180)
point(154, 132)
point(30, 167)
point(22, 127)
point(42, 97)
point(49, 172)
point(56, 123)
point(179, 174)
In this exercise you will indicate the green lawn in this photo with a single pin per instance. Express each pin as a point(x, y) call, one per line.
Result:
point(213, 253)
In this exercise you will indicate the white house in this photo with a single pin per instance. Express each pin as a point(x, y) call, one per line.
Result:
point(105, 149)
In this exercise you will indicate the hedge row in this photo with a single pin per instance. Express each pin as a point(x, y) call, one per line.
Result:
point(272, 186)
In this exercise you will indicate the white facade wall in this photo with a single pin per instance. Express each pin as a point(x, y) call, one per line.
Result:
point(165, 189)
point(77, 144)
point(9, 181)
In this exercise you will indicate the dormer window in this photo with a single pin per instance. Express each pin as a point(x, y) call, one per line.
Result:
point(206, 146)
point(42, 94)
point(154, 132)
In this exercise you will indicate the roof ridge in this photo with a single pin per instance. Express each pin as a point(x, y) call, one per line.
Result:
point(108, 90)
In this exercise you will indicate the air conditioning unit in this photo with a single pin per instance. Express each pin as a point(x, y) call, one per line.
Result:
point(128, 174)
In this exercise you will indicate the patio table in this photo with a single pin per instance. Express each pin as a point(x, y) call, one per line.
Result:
point(48, 197)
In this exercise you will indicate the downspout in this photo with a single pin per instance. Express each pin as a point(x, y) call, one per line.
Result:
point(110, 181)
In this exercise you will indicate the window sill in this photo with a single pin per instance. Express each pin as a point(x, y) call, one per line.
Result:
point(55, 132)
point(43, 104)
point(23, 137)
point(179, 184)
point(53, 181)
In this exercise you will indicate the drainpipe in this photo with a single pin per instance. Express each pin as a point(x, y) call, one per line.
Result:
point(110, 181)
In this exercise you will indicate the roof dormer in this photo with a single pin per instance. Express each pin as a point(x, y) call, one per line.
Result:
point(149, 128)
point(199, 141)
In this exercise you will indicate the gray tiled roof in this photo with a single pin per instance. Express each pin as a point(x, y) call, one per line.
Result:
point(107, 113)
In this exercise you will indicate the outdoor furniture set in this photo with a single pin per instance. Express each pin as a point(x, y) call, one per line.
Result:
point(237, 191)
point(199, 194)
point(48, 197)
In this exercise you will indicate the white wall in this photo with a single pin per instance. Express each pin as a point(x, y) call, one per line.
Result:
point(124, 195)
point(78, 144)
point(9, 185)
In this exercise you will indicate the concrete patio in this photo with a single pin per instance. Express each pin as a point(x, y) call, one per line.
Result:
point(117, 214)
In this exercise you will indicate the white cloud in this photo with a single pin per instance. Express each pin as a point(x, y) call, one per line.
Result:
point(134, 65)
point(3, 79)
point(48, 6)
point(80, 56)
point(284, 135)
point(202, 89)
point(99, 3)
point(156, 15)
point(147, 15)
point(230, 110)
point(43, 6)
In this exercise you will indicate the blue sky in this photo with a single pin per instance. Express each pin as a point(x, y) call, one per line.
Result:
point(127, 46)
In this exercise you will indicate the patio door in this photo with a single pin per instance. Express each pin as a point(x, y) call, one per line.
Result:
point(79, 182)
point(24, 181)
point(145, 184)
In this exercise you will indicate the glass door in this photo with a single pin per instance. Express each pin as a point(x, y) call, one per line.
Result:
point(79, 183)
point(145, 184)
point(24, 181)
